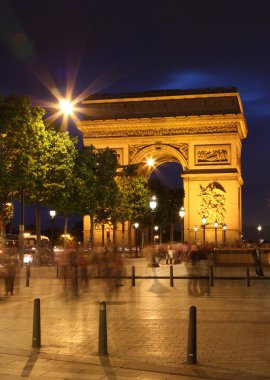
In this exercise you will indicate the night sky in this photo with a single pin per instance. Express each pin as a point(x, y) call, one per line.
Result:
point(125, 46)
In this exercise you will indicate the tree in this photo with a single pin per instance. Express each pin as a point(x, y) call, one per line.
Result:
point(21, 132)
point(169, 202)
point(133, 200)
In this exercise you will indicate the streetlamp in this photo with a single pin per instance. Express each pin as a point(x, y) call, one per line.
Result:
point(204, 220)
point(216, 226)
point(156, 237)
point(153, 206)
point(182, 214)
point(136, 225)
point(52, 215)
point(259, 228)
point(195, 233)
point(224, 228)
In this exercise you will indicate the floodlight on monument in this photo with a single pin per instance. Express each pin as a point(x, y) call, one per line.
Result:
point(150, 162)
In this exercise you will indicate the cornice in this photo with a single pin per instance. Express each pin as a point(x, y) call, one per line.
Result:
point(157, 130)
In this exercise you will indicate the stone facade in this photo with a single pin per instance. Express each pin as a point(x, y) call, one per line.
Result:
point(201, 130)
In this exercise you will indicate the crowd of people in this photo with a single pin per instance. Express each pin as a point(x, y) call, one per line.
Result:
point(78, 264)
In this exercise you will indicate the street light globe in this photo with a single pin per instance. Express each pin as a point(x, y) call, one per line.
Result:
point(195, 228)
point(136, 225)
point(204, 220)
point(224, 227)
point(216, 224)
point(259, 228)
point(52, 213)
point(153, 203)
point(66, 106)
point(182, 212)
point(156, 228)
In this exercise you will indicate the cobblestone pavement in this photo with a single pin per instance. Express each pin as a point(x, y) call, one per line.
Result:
point(147, 328)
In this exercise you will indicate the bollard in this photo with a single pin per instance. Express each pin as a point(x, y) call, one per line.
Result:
point(248, 277)
point(192, 337)
point(133, 276)
point(57, 271)
point(27, 275)
point(102, 337)
point(36, 342)
point(171, 275)
point(211, 275)
point(167, 260)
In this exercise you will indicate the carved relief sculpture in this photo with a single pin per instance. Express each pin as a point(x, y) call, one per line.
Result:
point(212, 154)
point(212, 203)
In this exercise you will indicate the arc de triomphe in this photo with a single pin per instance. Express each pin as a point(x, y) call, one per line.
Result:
point(200, 129)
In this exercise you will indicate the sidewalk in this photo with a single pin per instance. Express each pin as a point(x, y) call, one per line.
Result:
point(147, 329)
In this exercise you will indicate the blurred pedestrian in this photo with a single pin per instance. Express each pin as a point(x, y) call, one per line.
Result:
point(11, 264)
point(256, 254)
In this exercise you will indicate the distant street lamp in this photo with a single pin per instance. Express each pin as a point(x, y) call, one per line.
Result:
point(203, 227)
point(153, 206)
point(224, 228)
point(136, 225)
point(52, 215)
point(195, 233)
point(182, 214)
point(259, 228)
point(216, 226)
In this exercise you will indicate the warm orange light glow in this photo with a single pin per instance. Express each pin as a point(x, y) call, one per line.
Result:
point(150, 162)
point(66, 106)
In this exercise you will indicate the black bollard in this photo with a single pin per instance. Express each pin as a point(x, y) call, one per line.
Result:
point(102, 337)
point(211, 274)
point(248, 277)
point(133, 276)
point(36, 342)
point(192, 337)
point(27, 274)
point(171, 275)
point(57, 271)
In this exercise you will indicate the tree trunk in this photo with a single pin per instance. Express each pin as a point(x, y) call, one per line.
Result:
point(65, 231)
point(129, 237)
point(38, 233)
point(3, 235)
point(171, 232)
point(91, 238)
point(102, 235)
point(123, 238)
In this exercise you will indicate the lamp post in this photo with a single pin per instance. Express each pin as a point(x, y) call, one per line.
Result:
point(136, 225)
point(156, 234)
point(153, 206)
point(224, 228)
point(204, 220)
point(259, 228)
point(216, 226)
point(195, 233)
point(182, 214)
point(52, 215)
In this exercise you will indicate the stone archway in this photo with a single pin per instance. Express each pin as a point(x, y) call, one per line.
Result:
point(201, 129)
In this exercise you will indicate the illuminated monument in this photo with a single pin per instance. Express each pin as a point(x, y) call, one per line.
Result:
point(200, 129)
